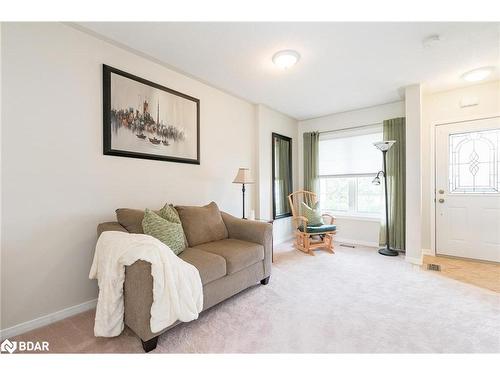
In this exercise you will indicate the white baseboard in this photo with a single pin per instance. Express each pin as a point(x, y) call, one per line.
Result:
point(277, 241)
point(356, 242)
point(47, 319)
point(412, 260)
point(428, 252)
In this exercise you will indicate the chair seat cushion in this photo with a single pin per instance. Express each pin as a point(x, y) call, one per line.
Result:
point(210, 266)
point(238, 254)
point(319, 229)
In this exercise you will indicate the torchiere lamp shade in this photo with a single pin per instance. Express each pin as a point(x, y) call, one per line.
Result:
point(384, 145)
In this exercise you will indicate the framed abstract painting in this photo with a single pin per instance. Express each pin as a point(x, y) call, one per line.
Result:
point(143, 119)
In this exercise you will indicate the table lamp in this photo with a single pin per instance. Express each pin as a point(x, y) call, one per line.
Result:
point(243, 177)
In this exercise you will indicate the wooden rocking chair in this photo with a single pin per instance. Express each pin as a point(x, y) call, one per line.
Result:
point(309, 238)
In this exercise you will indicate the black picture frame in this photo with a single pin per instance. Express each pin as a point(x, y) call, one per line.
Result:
point(107, 128)
point(287, 139)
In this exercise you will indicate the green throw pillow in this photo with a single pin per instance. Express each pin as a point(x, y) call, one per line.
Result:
point(168, 212)
point(312, 214)
point(171, 234)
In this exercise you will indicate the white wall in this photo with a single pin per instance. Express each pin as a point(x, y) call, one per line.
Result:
point(1, 152)
point(56, 183)
point(444, 107)
point(413, 243)
point(270, 121)
point(360, 231)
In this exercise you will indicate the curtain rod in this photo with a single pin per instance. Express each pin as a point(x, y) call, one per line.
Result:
point(352, 127)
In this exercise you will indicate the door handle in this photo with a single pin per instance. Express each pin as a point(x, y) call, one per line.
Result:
point(441, 200)
point(441, 191)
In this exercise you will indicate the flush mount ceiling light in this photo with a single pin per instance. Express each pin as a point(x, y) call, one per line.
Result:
point(477, 74)
point(286, 59)
point(431, 41)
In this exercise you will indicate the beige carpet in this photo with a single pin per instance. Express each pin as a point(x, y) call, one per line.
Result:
point(353, 301)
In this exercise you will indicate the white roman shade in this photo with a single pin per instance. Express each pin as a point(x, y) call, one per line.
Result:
point(350, 152)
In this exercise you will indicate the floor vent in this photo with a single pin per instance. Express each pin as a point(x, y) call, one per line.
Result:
point(433, 267)
point(347, 245)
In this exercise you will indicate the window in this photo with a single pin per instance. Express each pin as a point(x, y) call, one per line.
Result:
point(348, 162)
point(282, 175)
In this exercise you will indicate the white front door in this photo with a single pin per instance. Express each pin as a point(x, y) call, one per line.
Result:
point(468, 189)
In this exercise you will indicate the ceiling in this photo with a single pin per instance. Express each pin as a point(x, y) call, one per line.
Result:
point(343, 66)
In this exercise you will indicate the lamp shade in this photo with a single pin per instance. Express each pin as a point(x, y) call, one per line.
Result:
point(243, 176)
point(384, 145)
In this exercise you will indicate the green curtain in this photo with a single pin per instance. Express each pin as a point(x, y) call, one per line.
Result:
point(394, 129)
point(282, 175)
point(311, 161)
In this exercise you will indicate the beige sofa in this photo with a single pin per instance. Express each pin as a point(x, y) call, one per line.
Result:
point(231, 255)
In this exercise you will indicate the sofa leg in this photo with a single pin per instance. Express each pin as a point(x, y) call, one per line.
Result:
point(150, 344)
point(265, 281)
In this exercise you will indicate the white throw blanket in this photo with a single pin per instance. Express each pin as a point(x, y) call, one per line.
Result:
point(177, 288)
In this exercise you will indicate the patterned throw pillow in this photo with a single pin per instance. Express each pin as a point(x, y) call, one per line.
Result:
point(171, 234)
point(169, 213)
point(312, 214)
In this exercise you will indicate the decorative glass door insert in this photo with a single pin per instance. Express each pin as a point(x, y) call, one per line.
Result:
point(474, 162)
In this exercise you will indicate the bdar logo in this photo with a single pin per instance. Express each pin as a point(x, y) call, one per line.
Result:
point(8, 346)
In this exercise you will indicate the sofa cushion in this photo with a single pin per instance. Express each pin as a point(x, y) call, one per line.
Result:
point(238, 254)
point(130, 219)
point(202, 224)
point(169, 233)
point(211, 266)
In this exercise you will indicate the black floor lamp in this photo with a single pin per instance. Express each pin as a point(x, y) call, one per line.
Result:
point(384, 147)
point(243, 177)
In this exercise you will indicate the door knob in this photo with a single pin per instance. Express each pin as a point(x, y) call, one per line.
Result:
point(441, 200)
point(441, 191)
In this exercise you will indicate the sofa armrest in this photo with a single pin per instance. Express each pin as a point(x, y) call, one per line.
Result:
point(137, 290)
point(252, 231)
point(110, 226)
point(138, 298)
